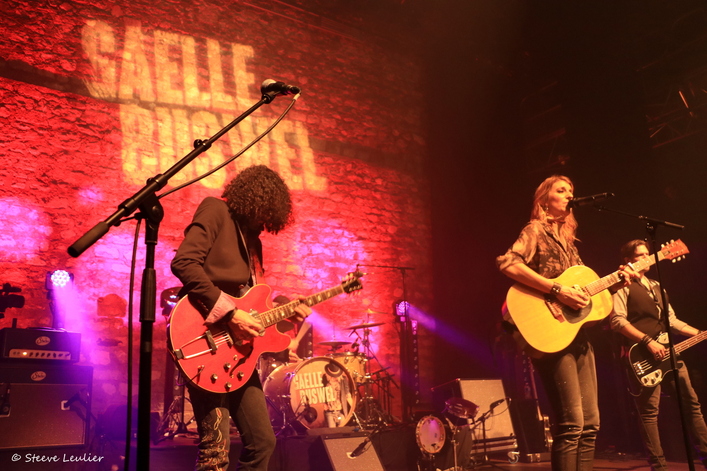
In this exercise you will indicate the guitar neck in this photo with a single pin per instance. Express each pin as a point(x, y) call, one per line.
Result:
point(691, 342)
point(273, 316)
point(609, 280)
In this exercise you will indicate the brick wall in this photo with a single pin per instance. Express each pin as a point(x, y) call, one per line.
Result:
point(96, 97)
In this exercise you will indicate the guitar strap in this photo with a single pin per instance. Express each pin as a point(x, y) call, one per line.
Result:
point(245, 252)
point(655, 295)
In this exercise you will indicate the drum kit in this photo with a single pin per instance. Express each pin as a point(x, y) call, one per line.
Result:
point(333, 390)
point(433, 431)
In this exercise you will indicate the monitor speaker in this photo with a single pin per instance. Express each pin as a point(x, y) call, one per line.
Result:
point(44, 405)
point(337, 456)
point(488, 395)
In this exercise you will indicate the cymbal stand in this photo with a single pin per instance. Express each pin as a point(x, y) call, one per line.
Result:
point(371, 409)
point(484, 459)
point(455, 443)
point(285, 423)
point(175, 415)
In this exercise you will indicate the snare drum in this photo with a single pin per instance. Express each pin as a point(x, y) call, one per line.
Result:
point(430, 434)
point(355, 363)
point(318, 392)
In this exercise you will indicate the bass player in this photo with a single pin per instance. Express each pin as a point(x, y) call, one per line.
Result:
point(637, 316)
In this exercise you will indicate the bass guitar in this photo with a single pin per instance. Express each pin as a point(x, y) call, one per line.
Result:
point(648, 370)
point(213, 359)
point(548, 325)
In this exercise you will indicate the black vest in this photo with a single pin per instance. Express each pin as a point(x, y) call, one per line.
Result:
point(642, 306)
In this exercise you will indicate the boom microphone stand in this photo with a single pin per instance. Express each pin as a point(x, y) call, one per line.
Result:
point(150, 209)
point(651, 228)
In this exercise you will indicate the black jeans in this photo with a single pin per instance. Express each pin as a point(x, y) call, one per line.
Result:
point(248, 409)
point(570, 381)
point(648, 403)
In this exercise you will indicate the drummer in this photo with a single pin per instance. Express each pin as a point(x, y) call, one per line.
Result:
point(294, 353)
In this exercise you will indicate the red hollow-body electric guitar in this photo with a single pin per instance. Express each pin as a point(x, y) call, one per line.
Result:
point(211, 357)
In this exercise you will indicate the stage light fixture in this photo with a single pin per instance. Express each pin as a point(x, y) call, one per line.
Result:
point(58, 279)
point(59, 285)
point(402, 308)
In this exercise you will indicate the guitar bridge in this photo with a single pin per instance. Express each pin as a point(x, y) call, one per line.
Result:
point(555, 308)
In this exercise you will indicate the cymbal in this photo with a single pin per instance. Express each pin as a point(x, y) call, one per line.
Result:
point(365, 326)
point(373, 311)
point(334, 343)
point(461, 408)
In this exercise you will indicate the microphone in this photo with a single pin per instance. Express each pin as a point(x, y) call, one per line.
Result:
point(279, 88)
point(359, 449)
point(309, 413)
point(585, 200)
point(496, 403)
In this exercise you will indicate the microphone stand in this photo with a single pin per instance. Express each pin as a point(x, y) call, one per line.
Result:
point(361, 448)
point(151, 210)
point(651, 229)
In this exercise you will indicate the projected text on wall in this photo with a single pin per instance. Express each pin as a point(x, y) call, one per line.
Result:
point(173, 89)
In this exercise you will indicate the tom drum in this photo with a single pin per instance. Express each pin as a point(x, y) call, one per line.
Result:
point(355, 363)
point(430, 434)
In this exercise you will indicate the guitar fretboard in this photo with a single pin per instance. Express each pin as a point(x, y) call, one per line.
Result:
point(609, 280)
point(692, 341)
point(273, 316)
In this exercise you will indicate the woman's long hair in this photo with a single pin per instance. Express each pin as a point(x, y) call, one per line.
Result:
point(539, 211)
point(259, 195)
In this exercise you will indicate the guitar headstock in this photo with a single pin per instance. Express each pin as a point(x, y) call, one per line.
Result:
point(352, 282)
point(674, 250)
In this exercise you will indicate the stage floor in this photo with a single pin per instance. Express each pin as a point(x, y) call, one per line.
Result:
point(292, 454)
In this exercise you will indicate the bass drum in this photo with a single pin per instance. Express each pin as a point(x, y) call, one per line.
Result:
point(430, 434)
point(318, 392)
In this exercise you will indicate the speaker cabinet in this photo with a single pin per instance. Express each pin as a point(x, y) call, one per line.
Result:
point(336, 455)
point(492, 429)
point(44, 405)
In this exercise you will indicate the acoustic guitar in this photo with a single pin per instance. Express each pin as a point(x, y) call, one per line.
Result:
point(548, 325)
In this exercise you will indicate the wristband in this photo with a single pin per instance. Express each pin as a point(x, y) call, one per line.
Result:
point(646, 339)
point(556, 288)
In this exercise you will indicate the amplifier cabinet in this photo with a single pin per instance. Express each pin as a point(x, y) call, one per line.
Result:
point(44, 405)
point(491, 431)
point(40, 345)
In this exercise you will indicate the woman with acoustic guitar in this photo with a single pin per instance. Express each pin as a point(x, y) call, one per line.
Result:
point(544, 250)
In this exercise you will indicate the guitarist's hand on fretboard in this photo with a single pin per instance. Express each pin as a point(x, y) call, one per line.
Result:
point(301, 311)
point(626, 275)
